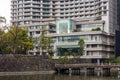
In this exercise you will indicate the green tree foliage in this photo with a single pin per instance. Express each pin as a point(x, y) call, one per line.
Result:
point(2, 41)
point(59, 49)
point(63, 59)
point(49, 46)
point(81, 43)
point(42, 40)
point(114, 60)
point(69, 51)
point(45, 42)
point(16, 41)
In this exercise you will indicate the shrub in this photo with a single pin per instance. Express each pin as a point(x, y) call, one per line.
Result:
point(96, 29)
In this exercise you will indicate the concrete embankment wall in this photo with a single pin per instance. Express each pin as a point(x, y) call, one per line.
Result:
point(22, 63)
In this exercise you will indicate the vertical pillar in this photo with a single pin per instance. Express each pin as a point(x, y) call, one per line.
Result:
point(40, 51)
point(79, 71)
point(34, 53)
point(70, 71)
point(118, 73)
point(98, 61)
point(47, 53)
point(98, 73)
point(58, 71)
point(85, 71)
point(55, 48)
point(118, 69)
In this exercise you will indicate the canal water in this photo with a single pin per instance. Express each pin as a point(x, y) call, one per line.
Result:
point(82, 76)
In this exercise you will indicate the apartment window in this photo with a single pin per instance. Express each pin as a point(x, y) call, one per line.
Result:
point(81, 3)
point(46, 1)
point(61, 5)
point(26, 22)
point(27, 4)
point(37, 0)
point(46, 13)
point(66, 5)
point(46, 5)
point(37, 27)
point(15, 2)
point(27, 0)
point(91, 2)
point(36, 13)
point(20, 13)
point(37, 32)
point(61, 17)
point(37, 5)
point(46, 17)
point(21, 23)
point(61, 9)
point(20, 1)
point(104, 12)
point(19, 5)
point(71, 4)
point(92, 15)
point(61, 1)
point(31, 27)
point(104, 2)
point(20, 17)
point(62, 13)
point(76, 8)
point(19, 9)
point(76, 0)
point(94, 46)
point(66, 1)
point(31, 33)
point(86, 2)
point(66, 13)
point(76, 3)
point(105, 7)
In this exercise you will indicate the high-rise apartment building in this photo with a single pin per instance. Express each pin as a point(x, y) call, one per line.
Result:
point(86, 15)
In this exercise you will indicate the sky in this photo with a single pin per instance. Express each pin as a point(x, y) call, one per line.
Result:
point(5, 9)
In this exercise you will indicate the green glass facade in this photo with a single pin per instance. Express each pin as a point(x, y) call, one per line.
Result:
point(64, 26)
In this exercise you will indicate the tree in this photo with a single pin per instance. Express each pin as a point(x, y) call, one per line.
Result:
point(49, 46)
point(69, 51)
point(42, 38)
point(45, 42)
point(17, 40)
point(2, 41)
point(114, 60)
point(59, 49)
point(81, 43)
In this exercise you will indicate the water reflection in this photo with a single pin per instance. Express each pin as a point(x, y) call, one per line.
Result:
point(82, 76)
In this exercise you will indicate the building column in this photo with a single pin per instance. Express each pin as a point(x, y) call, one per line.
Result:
point(34, 53)
point(98, 61)
point(55, 48)
point(40, 51)
point(70, 71)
